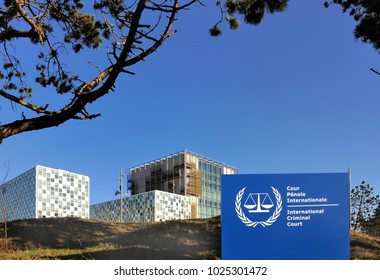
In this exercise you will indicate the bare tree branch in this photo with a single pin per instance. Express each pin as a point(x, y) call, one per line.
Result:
point(374, 71)
point(130, 35)
point(19, 5)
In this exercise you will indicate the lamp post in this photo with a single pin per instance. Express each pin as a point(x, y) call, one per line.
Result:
point(120, 192)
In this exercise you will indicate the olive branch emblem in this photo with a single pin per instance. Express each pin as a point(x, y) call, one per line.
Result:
point(250, 223)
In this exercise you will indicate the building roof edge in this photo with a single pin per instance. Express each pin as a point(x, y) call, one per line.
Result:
point(184, 152)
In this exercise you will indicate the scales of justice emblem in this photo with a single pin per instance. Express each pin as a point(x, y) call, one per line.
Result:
point(258, 203)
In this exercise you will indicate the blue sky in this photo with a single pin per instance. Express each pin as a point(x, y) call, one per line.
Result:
point(293, 95)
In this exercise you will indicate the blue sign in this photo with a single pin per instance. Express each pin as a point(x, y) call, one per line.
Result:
point(286, 217)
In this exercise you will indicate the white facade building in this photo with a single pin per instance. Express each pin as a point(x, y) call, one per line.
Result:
point(150, 206)
point(44, 192)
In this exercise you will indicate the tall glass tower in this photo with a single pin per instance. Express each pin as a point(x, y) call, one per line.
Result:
point(185, 173)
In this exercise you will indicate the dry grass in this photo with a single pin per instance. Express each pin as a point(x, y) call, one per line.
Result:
point(85, 239)
point(364, 247)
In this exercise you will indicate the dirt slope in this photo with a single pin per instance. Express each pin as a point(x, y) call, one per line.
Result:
point(190, 239)
point(69, 238)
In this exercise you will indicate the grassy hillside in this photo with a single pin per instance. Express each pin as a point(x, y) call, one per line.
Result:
point(364, 247)
point(85, 239)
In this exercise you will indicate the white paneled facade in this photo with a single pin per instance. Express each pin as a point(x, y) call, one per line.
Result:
point(148, 206)
point(44, 192)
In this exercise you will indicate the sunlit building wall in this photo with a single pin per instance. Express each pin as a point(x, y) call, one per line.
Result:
point(44, 192)
point(184, 173)
point(150, 206)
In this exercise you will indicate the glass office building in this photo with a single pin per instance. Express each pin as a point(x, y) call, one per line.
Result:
point(153, 206)
point(184, 173)
point(44, 192)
